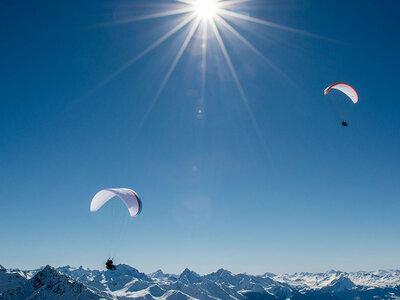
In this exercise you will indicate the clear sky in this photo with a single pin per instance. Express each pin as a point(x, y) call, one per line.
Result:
point(302, 193)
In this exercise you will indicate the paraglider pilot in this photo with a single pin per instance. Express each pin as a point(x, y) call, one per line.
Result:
point(110, 264)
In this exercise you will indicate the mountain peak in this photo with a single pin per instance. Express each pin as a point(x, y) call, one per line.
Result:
point(341, 284)
point(189, 276)
point(188, 271)
point(221, 273)
point(49, 270)
point(221, 270)
point(48, 283)
point(126, 270)
point(225, 276)
point(157, 274)
point(47, 274)
point(66, 267)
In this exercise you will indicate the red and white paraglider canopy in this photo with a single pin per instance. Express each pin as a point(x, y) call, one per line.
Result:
point(348, 90)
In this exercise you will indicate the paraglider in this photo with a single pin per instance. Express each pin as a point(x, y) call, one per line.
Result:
point(129, 197)
point(110, 265)
point(348, 90)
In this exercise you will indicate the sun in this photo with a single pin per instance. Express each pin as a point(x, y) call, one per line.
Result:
point(206, 9)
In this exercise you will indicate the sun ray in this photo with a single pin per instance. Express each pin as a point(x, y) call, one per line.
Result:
point(271, 24)
point(203, 62)
point(168, 13)
point(237, 81)
point(189, 2)
point(231, 2)
point(181, 24)
point(219, 15)
point(151, 47)
point(248, 44)
point(154, 45)
point(170, 70)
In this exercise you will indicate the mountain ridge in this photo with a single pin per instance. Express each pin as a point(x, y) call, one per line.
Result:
point(126, 282)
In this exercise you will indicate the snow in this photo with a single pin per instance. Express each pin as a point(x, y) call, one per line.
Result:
point(315, 281)
point(128, 283)
point(10, 279)
point(51, 284)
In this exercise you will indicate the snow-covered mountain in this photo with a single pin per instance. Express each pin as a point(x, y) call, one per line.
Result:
point(343, 285)
point(317, 281)
point(48, 284)
point(11, 279)
point(128, 283)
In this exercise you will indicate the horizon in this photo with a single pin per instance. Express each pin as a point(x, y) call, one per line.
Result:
point(223, 130)
point(201, 274)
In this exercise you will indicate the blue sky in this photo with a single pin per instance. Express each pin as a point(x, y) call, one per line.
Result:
point(313, 196)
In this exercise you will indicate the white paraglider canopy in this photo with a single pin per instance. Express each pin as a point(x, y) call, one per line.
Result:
point(129, 197)
point(348, 90)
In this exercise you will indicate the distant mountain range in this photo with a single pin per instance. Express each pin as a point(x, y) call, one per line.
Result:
point(128, 283)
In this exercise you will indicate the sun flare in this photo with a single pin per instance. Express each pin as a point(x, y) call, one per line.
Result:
point(206, 9)
point(205, 19)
